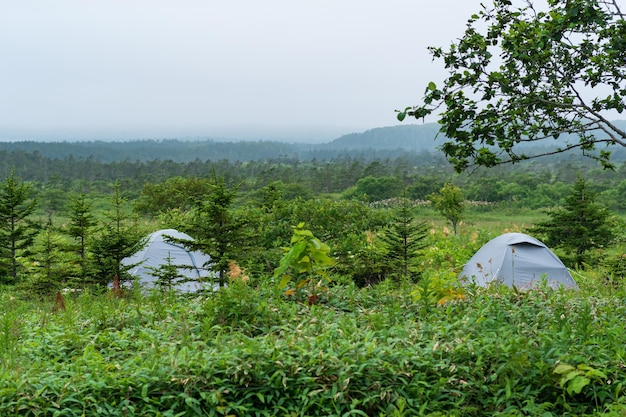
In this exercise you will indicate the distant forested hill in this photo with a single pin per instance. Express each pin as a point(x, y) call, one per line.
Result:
point(408, 137)
point(379, 143)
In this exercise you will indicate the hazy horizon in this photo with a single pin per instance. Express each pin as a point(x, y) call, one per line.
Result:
point(312, 136)
point(241, 70)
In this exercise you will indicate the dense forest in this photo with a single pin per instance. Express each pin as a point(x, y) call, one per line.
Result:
point(380, 164)
point(532, 184)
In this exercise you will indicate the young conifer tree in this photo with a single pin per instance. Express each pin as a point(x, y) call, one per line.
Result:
point(167, 275)
point(579, 226)
point(216, 228)
point(405, 238)
point(50, 268)
point(82, 221)
point(17, 230)
point(118, 238)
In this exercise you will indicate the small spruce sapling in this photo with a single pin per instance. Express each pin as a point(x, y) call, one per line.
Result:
point(405, 238)
point(167, 275)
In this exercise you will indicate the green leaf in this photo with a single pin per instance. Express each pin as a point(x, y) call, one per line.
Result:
point(592, 372)
point(305, 260)
point(570, 376)
point(563, 368)
point(432, 86)
point(577, 384)
point(297, 250)
point(306, 233)
point(284, 281)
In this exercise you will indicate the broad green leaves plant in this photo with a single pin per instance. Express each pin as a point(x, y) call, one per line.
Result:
point(305, 261)
point(575, 378)
point(524, 73)
point(433, 290)
point(450, 203)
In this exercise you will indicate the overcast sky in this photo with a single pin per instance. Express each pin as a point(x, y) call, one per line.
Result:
point(241, 69)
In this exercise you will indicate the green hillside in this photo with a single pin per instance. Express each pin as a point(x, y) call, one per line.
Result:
point(410, 137)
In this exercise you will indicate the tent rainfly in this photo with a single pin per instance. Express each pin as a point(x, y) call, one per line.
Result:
point(516, 260)
point(158, 251)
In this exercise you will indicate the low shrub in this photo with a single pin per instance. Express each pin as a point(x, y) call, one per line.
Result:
point(249, 350)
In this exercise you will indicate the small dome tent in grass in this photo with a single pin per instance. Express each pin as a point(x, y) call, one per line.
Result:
point(516, 260)
point(159, 252)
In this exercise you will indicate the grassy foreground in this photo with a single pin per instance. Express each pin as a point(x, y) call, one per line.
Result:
point(378, 351)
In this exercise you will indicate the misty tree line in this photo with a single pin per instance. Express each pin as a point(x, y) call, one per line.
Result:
point(530, 184)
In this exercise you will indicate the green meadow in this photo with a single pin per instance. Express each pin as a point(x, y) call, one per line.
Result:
point(428, 348)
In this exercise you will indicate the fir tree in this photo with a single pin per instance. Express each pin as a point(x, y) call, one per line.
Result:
point(82, 220)
point(50, 269)
point(405, 238)
point(216, 228)
point(118, 238)
point(17, 230)
point(579, 226)
point(167, 275)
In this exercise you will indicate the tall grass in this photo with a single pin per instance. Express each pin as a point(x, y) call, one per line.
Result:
point(374, 351)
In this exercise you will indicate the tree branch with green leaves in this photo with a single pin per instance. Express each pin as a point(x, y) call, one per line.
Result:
point(520, 74)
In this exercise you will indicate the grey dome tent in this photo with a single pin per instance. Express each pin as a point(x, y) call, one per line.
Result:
point(159, 250)
point(519, 260)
